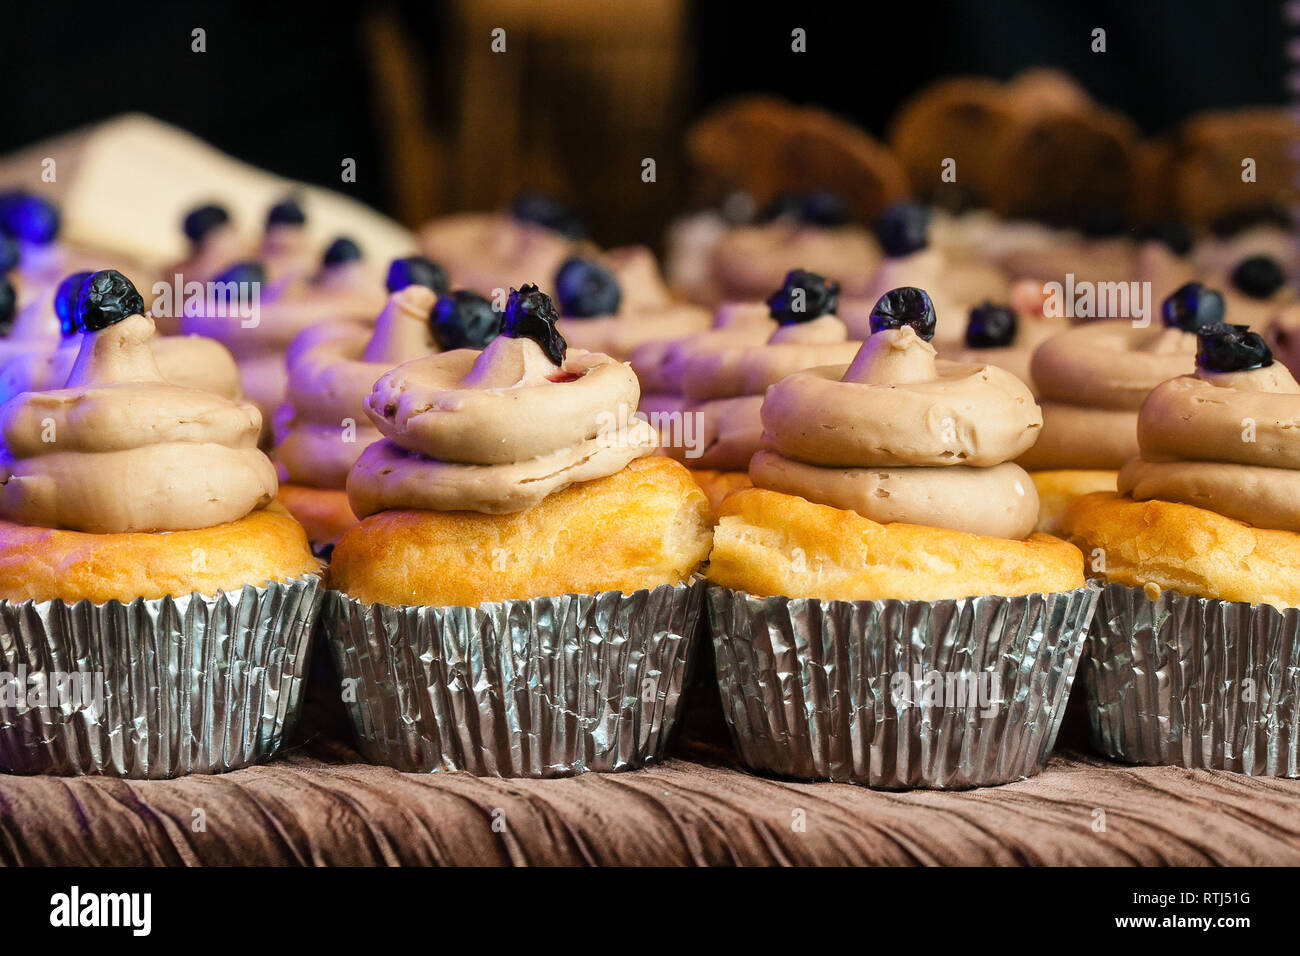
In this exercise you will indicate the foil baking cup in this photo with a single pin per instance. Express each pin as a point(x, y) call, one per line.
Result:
point(898, 695)
point(1194, 682)
point(546, 687)
point(154, 688)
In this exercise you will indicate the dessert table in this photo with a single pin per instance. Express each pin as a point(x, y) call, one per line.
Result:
point(319, 804)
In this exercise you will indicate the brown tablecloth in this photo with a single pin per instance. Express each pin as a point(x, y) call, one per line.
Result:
point(320, 805)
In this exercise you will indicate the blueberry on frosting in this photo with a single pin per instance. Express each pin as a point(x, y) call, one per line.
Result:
point(339, 251)
point(417, 270)
point(243, 272)
point(903, 228)
point(1258, 276)
point(463, 320)
point(1191, 307)
point(30, 218)
point(991, 326)
point(544, 210)
point(65, 301)
point(904, 306)
point(586, 288)
point(8, 305)
point(106, 298)
point(287, 212)
point(530, 314)
point(803, 296)
point(1231, 348)
point(201, 220)
point(8, 253)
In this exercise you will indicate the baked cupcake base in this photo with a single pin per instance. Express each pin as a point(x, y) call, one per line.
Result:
point(41, 564)
point(768, 543)
point(716, 485)
point(646, 525)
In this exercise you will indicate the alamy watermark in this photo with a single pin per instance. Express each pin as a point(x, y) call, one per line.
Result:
point(52, 690)
point(1084, 299)
point(213, 299)
point(952, 690)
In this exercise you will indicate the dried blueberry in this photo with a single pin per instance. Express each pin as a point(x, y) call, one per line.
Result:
point(201, 220)
point(803, 296)
point(585, 288)
point(463, 320)
point(1191, 307)
point(243, 272)
point(32, 219)
point(1258, 276)
point(1231, 348)
point(339, 251)
point(903, 228)
point(417, 270)
point(65, 301)
point(1268, 215)
point(991, 326)
point(904, 306)
point(818, 207)
point(9, 254)
point(1175, 236)
point(531, 314)
point(287, 212)
point(105, 299)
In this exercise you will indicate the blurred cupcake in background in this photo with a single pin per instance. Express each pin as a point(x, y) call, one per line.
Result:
point(493, 251)
point(617, 301)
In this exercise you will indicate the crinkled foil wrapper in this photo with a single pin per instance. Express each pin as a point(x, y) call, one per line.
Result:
point(192, 684)
point(898, 694)
point(546, 687)
point(1193, 682)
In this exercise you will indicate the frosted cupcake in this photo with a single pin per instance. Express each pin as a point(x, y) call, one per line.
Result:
point(889, 536)
point(1196, 653)
point(1092, 380)
point(330, 379)
point(490, 251)
point(147, 506)
point(910, 260)
point(1008, 335)
point(516, 598)
point(724, 386)
point(261, 314)
point(617, 302)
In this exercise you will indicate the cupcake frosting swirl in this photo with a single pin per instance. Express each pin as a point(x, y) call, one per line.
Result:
point(903, 436)
point(120, 449)
point(496, 431)
point(1223, 441)
point(330, 379)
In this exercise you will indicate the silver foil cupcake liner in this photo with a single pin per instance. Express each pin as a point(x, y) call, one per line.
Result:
point(546, 687)
point(898, 694)
point(155, 688)
point(1193, 682)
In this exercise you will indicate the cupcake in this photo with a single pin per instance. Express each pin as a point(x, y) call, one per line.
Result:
point(1195, 659)
point(1008, 335)
point(724, 387)
point(43, 344)
point(330, 378)
point(517, 599)
point(256, 316)
point(286, 250)
point(1092, 379)
point(489, 251)
point(885, 557)
point(616, 302)
point(143, 555)
point(910, 260)
point(803, 230)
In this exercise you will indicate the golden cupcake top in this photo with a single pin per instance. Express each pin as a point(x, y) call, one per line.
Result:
point(497, 431)
point(1225, 437)
point(119, 448)
point(902, 435)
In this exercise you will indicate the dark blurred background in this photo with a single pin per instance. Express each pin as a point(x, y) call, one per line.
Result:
point(586, 88)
